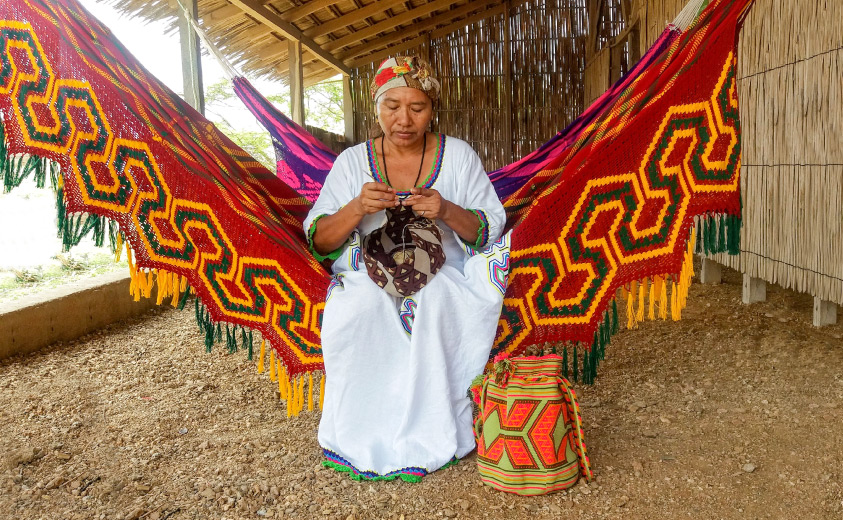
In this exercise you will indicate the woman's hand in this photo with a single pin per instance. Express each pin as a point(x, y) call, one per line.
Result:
point(375, 196)
point(430, 204)
point(427, 203)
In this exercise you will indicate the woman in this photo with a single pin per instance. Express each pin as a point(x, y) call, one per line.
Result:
point(398, 369)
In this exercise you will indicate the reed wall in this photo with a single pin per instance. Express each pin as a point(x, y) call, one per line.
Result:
point(506, 94)
point(791, 95)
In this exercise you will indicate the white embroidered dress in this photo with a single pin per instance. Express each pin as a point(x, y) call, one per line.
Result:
point(398, 369)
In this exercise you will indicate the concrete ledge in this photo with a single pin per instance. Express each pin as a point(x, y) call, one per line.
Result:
point(66, 313)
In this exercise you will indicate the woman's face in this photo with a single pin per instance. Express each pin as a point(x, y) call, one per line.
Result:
point(404, 114)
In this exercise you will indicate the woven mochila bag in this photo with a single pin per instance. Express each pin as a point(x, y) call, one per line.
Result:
point(403, 255)
point(528, 429)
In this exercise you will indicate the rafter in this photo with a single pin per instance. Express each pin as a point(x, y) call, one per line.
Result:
point(352, 17)
point(289, 31)
point(307, 9)
point(423, 26)
point(388, 24)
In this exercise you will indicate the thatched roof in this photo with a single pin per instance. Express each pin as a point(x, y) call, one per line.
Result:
point(336, 35)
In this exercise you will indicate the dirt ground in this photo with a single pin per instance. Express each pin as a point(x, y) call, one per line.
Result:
point(734, 412)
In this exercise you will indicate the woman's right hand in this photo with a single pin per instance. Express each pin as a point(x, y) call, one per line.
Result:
point(374, 197)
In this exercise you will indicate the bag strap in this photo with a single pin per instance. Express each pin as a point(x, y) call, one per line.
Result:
point(575, 419)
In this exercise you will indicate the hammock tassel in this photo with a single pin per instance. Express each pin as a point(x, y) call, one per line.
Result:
point(653, 295)
point(310, 392)
point(272, 375)
point(321, 392)
point(118, 249)
point(261, 357)
point(281, 389)
point(639, 316)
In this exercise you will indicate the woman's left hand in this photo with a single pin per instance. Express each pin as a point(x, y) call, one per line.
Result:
point(427, 203)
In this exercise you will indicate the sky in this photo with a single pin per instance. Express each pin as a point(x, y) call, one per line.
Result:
point(158, 52)
point(34, 243)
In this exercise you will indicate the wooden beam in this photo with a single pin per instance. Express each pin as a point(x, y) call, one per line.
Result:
point(426, 25)
point(352, 17)
point(348, 110)
point(191, 58)
point(223, 13)
point(506, 97)
point(595, 9)
point(438, 33)
point(296, 82)
point(307, 9)
point(386, 25)
point(289, 31)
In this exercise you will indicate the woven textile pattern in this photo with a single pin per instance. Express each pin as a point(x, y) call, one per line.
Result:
point(606, 203)
point(529, 433)
point(191, 203)
point(622, 201)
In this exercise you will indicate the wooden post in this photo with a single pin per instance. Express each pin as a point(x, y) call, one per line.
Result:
point(711, 272)
point(296, 82)
point(634, 33)
point(754, 290)
point(825, 312)
point(191, 59)
point(347, 110)
point(595, 8)
point(506, 95)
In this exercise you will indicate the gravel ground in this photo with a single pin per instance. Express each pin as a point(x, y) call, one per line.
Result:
point(734, 412)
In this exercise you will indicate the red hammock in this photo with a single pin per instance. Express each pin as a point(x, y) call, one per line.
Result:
point(611, 210)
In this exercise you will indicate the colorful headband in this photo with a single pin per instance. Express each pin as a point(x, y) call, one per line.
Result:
point(404, 71)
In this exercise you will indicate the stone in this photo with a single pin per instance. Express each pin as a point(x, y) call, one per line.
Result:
point(465, 505)
point(650, 434)
point(20, 456)
point(134, 514)
point(449, 513)
point(748, 468)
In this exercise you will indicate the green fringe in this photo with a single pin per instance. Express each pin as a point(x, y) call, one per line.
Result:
point(214, 332)
point(14, 169)
point(576, 372)
point(719, 233)
point(565, 362)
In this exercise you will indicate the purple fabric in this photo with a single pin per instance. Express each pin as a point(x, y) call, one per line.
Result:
point(510, 178)
point(303, 161)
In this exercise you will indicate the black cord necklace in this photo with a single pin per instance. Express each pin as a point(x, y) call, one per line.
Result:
point(421, 163)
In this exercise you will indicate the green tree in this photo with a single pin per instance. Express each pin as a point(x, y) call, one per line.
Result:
point(323, 109)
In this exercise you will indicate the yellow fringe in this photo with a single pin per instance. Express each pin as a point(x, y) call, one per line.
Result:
point(310, 392)
point(289, 403)
point(282, 377)
point(663, 300)
point(118, 249)
point(642, 289)
point(322, 392)
point(174, 283)
point(630, 307)
point(272, 376)
point(281, 388)
point(162, 276)
point(300, 406)
point(652, 309)
point(261, 357)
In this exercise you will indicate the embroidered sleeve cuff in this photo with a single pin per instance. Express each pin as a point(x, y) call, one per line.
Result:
point(482, 231)
point(333, 255)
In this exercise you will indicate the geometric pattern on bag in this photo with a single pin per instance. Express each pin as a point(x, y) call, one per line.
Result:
point(529, 430)
point(403, 255)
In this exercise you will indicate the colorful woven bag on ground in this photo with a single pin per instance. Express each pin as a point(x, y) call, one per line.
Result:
point(528, 428)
